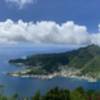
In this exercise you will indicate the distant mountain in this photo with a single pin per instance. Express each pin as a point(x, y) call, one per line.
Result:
point(86, 59)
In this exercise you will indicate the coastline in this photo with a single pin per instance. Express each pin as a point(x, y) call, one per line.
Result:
point(51, 76)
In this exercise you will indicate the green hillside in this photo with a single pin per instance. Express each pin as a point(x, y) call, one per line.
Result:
point(86, 59)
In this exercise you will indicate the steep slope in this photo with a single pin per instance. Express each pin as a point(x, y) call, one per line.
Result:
point(86, 60)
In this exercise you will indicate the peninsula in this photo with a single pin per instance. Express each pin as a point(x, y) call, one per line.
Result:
point(83, 63)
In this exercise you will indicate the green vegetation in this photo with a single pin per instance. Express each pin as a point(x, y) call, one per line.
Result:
point(86, 60)
point(59, 94)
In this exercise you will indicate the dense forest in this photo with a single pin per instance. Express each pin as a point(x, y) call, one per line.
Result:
point(59, 94)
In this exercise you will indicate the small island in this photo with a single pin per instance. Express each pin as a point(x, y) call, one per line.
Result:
point(83, 63)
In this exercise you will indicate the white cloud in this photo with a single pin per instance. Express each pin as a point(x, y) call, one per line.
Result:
point(21, 3)
point(46, 32)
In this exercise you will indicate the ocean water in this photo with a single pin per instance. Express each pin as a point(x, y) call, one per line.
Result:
point(28, 86)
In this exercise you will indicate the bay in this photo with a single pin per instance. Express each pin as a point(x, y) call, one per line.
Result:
point(28, 86)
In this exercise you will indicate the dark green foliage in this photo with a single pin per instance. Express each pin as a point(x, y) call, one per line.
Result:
point(37, 96)
point(78, 94)
point(59, 94)
point(49, 62)
point(64, 94)
point(87, 58)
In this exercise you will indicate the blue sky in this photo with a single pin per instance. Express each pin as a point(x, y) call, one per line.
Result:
point(84, 12)
point(68, 22)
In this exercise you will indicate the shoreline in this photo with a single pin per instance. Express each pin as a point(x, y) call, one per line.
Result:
point(56, 74)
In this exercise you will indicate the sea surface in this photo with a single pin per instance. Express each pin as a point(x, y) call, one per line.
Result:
point(28, 86)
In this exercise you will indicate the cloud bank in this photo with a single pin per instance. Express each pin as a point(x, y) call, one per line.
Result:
point(20, 3)
point(47, 32)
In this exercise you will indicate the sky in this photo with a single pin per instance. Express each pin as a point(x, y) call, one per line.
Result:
point(50, 21)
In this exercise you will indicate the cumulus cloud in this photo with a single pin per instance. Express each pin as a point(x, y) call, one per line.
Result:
point(21, 3)
point(46, 32)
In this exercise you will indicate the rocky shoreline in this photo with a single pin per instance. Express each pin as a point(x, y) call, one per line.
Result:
point(56, 74)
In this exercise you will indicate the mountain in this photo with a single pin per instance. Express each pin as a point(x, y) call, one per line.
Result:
point(86, 60)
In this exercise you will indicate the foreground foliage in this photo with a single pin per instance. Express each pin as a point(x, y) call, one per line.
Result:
point(59, 94)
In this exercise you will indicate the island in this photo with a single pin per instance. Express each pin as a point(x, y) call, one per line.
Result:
point(83, 63)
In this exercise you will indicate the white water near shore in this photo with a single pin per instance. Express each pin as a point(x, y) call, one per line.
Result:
point(50, 76)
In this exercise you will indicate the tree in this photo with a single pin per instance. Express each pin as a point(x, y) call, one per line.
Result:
point(57, 94)
point(37, 96)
